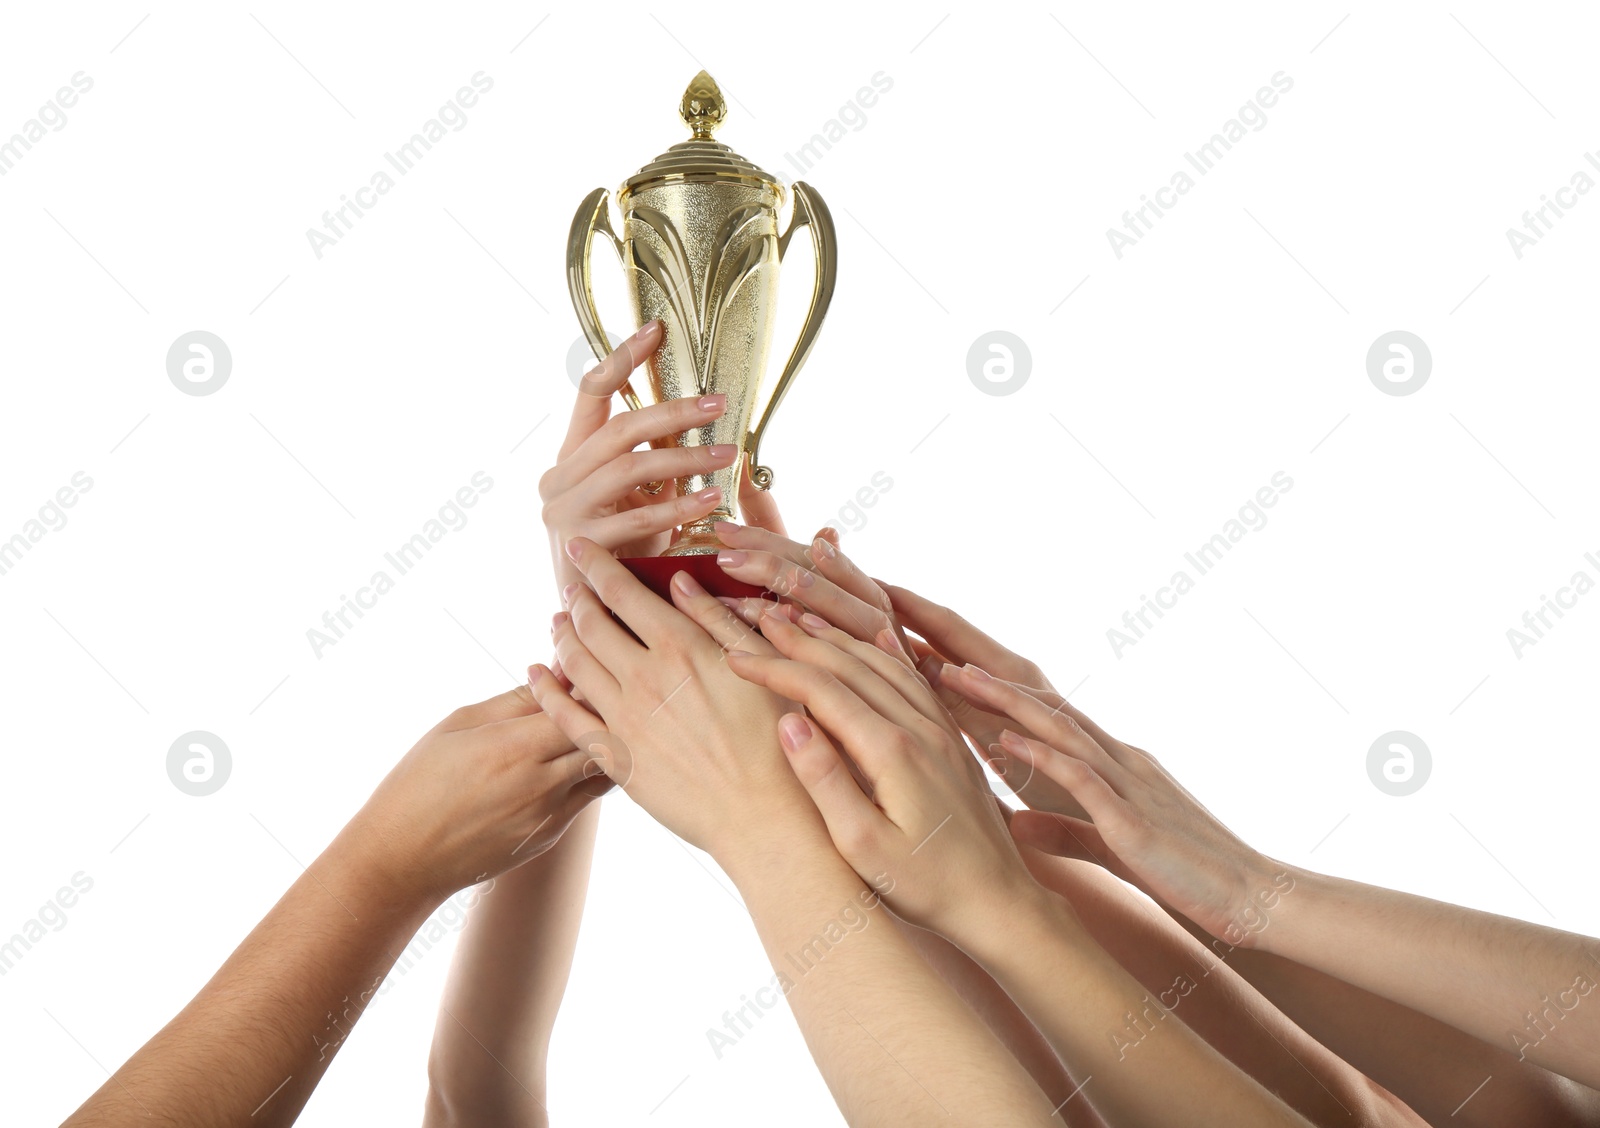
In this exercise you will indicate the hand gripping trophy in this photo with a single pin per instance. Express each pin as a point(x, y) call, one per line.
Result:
point(701, 250)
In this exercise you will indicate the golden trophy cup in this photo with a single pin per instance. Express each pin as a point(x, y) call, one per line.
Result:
point(700, 250)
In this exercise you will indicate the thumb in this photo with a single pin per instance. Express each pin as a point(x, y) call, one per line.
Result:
point(758, 507)
point(848, 813)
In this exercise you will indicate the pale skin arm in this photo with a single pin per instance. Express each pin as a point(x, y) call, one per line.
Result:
point(507, 978)
point(251, 1046)
point(868, 1003)
point(1219, 1005)
point(1432, 1066)
point(487, 1063)
point(936, 833)
point(1487, 976)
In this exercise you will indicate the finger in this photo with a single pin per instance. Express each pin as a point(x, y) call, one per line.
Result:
point(1099, 800)
point(518, 702)
point(728, 630)
point(957, 638)
point(1133, 759)
point(601, 634)
point(838, 568)
point(589, 675)
point(535, 738)
point(637, 468)
point(652, 517)
point(755, 537)
point(600, 383)
point(652, 619)
point(759, 507)
point(621, 433)
point(750, 608)
point(829, 534)
point(872, 742)
point(853, 821)
point(793, 581)
point(1055, 726)
point(572, 719)
point(864, 669)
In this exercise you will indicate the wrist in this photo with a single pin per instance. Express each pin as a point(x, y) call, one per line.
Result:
point(781, 849)
point(1268, 894)
point(364, 854)
point(1003, 926)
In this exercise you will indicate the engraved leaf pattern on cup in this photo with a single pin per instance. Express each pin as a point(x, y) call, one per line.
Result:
point(698, 316)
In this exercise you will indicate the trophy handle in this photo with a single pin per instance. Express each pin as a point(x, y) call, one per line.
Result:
point(593, 217)
point(808, 209)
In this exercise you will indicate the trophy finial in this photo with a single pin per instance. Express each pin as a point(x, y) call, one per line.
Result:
point(702, 108)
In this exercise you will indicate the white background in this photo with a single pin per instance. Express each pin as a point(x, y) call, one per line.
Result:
point(369, 385)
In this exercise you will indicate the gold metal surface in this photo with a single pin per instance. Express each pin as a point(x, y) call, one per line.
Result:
point(701, 250)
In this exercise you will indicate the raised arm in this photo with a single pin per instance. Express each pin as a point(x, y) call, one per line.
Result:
point(510, 969)
point(492, 784)
point(1508, 983)
point(932, 826)
point(697, 747)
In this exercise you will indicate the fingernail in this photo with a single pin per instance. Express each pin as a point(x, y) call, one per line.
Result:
point(815, 622)
point(722, 451)
point(929, 669)
point(727, 527)
point(574, 550)
point(1013, 742)
point(890, 641)
point(793, 732)
point(977, 672)
point(739, 654)
point(651, 326)
point(712, 403)
point(823, 548)
point(534, 674)
point(687, 584)
point(728, 559)
point(557, 620)
point(566, 594)
point(710, 493)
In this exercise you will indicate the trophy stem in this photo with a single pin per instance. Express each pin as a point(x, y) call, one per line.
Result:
point(699, 538)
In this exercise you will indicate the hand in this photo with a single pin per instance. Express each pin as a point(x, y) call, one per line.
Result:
point(489, 787)
point(1145, 827)
point(930, 836)
point(952, 639)
point(596, 488)
point(671, 724)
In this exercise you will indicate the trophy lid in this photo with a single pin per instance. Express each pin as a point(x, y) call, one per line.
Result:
point(700, 158)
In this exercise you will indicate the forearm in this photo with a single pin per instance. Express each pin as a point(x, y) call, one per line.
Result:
point(895, 1045)
point(1216, 1002)
point(1515, 985)
point(989, 1001)
point(255, 1041)
point(507, 977)
point(1437, 1070)
point(1146, 1065)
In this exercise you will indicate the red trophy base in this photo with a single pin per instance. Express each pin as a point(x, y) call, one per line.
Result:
point(656, 573)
